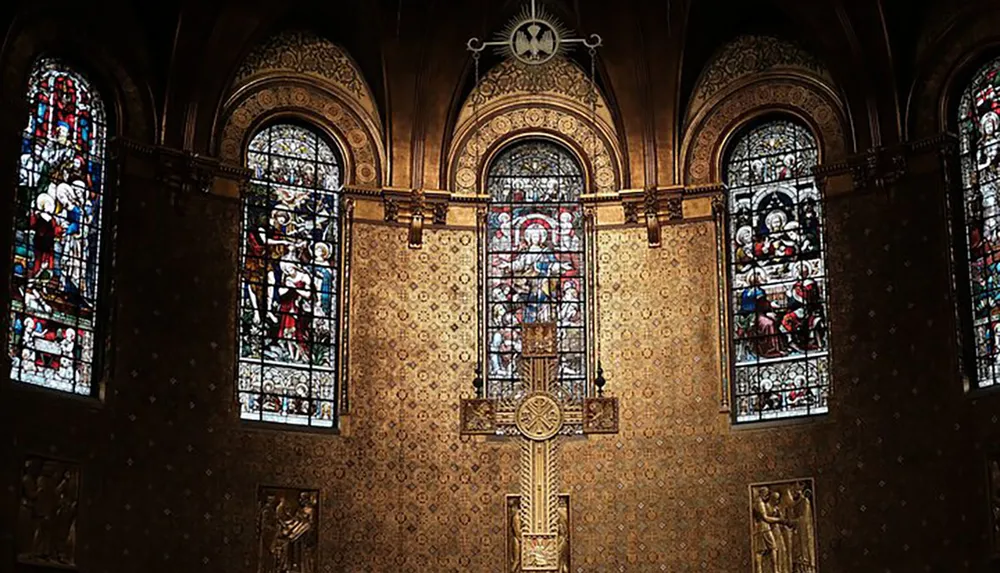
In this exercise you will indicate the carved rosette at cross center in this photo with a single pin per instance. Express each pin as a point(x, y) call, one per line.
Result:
point(539, 417)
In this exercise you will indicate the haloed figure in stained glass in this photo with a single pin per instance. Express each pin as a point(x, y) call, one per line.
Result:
point(288, 307)
point(979, 129)
point(535, 261)
point(57, 231)
point(778, 275)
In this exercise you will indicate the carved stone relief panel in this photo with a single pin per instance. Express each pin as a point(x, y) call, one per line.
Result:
point(287, 530)
point(783, 527)
point(548, 552)
point(47, 512)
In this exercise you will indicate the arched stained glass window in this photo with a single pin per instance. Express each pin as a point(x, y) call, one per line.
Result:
point(290, 280)
point(535, 268)
point(59, 214)
point(979, 140)
point(777, 275)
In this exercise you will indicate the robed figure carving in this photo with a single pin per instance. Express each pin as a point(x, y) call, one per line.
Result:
point(288, 520)
point(783, 528)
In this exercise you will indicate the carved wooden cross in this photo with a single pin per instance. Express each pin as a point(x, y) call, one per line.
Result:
point(539, 418)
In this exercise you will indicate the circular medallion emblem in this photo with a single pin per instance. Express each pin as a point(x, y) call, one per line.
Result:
point(538, 417)
point(534, 41)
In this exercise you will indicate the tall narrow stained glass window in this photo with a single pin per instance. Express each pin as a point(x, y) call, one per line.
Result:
point(777, 275)
point(979, 140)
point(290, 280)
point(535, 268)
point(59, 212)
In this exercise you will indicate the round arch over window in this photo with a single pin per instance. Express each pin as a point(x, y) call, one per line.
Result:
point(60, 216)
point(777, 274)
point(290, 280)
point(535, 251)
point(979, 141)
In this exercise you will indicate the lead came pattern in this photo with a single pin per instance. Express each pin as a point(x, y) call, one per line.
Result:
point(778, 274)
point(289, 281)
point(979, 127)
point(57, 232)
point(535, 262)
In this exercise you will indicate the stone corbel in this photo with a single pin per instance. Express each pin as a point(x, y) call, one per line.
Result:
point(658, 206)
point(413, 207)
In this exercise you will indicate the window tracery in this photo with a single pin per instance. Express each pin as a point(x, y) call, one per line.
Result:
point(535, 262)
point(777, 275)
point(60, 212)
point(979, 142)
point(289, 318)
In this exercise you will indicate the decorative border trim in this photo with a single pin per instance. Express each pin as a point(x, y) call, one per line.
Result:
point(304, 99)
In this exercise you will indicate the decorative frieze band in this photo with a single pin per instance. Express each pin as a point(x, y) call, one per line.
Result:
point(658, 206)
point(181, 172)
point(880, 168)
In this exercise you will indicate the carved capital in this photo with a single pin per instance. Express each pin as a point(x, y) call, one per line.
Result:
point(412, 207)
point(659, 205)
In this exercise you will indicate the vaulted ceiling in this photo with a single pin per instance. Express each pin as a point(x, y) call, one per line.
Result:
point(413, 55)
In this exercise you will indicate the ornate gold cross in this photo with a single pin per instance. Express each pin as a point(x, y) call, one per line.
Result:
point(539, 418)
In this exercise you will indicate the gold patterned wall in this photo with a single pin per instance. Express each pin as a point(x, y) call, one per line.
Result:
point(169, 479)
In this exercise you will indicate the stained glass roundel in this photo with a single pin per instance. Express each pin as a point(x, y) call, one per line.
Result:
point(777, 275)
point(535, 268)
point(290, 284)
point(58, 209)
point(979, 141)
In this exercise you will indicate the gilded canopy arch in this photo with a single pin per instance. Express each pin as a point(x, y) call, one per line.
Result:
point(510, 103)
point(799, 95)
point(297, 74)
point(129, 103)
point(746, 56)
point(750, 76)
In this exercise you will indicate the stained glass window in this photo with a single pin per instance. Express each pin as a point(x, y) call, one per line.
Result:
point(58, 212)
point(288, 313)
point(778, 275)
point(535, 252)
point(979, 136)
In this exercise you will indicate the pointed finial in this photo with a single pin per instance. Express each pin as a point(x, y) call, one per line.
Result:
point(477, 382)
point(600, 381)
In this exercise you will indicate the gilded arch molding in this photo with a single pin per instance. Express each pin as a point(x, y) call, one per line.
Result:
point(299, 74)
point(797, 94)
point(511, 101)
point(602, 160)
point(277, 97)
